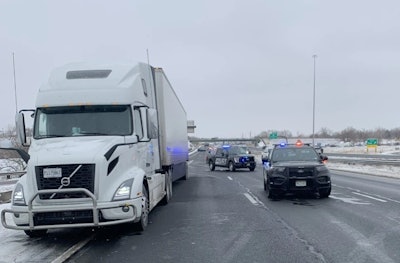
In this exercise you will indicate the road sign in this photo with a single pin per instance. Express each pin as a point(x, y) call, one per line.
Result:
point(372, 142)
point(273, 135)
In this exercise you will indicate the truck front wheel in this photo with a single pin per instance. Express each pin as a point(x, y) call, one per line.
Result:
point(144, 218)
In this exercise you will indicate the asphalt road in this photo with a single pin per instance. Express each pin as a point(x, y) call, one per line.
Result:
point(224, 216)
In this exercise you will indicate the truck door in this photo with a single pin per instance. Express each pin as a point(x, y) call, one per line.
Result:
point(149, 151)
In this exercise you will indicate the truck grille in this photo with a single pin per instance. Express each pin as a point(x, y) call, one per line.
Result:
point(67, 217)
point(82, 178)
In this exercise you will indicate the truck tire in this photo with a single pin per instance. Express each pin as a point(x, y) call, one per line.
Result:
point(144, 217)
point(168, 188)
point(36, 233)
point(185, 177)
point(231, 167)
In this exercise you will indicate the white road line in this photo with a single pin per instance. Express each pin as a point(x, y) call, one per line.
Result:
point(357, 190)
point(230, 178)
point(251, 199)
point(72, 250)
point(349, 200)
point(371, 197)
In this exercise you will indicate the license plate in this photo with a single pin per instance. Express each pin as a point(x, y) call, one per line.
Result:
point(301, 183)
point(52, 172)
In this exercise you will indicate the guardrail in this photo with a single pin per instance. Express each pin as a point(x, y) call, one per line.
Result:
point(11, 175)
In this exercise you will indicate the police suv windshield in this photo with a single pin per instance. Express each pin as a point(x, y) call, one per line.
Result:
point(302, 154)
point(82, 121)
point(239, 150)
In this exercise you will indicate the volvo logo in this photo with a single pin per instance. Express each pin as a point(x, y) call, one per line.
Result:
point(65, 181)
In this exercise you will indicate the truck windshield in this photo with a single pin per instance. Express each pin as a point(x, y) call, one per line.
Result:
point(88, 120)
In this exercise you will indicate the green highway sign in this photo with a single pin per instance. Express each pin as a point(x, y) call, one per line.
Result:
point(372, 141)
point(273, 135)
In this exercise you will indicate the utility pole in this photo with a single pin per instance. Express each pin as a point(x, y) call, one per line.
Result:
point(15, 85)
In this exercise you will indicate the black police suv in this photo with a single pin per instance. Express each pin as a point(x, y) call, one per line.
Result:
point(296, 168)
point(232, 157)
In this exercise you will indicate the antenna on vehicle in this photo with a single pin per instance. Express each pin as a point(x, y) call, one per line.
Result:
point(148, 59)
point(148, 63)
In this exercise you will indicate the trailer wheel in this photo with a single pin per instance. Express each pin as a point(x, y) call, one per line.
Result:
point(185, 177)
point(186, 172)
point(144, 218)
point(168, 188)
point(36, 233)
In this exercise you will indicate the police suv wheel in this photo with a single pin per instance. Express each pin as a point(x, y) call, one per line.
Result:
point(211, 165)
point(231, 167)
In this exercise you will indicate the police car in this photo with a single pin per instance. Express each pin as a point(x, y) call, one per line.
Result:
point(296, 168)
point(232, 157)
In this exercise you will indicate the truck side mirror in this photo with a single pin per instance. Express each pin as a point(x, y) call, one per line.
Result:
point(152, 126)
point(20, 128)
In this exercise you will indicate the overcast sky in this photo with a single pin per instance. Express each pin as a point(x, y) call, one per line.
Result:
point(238, 67)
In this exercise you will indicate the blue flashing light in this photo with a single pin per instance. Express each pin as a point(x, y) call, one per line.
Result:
point(282, 144)
point(226, 146)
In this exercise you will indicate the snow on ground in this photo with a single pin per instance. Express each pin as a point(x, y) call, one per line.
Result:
point(381, 170)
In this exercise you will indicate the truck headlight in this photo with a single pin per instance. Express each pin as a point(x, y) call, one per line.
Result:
point(18, 195)
point(124, 191)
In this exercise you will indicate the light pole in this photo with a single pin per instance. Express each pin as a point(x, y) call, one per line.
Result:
point(15, 85)
point(313, 121)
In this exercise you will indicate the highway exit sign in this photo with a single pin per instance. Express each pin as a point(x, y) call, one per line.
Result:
point(372, 142)
point(273, 135)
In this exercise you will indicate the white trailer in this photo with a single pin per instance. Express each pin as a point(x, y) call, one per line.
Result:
point(108, 141)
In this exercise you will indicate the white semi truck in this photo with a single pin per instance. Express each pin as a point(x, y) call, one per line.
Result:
point(108, 141)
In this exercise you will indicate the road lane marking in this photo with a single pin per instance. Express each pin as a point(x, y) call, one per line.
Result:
point(357, 190)
point(230, 178)
point(72, 250)
point(237, 247)
point(251, 199)
point(371, 197)
point(365, 246)
point(349, 200)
